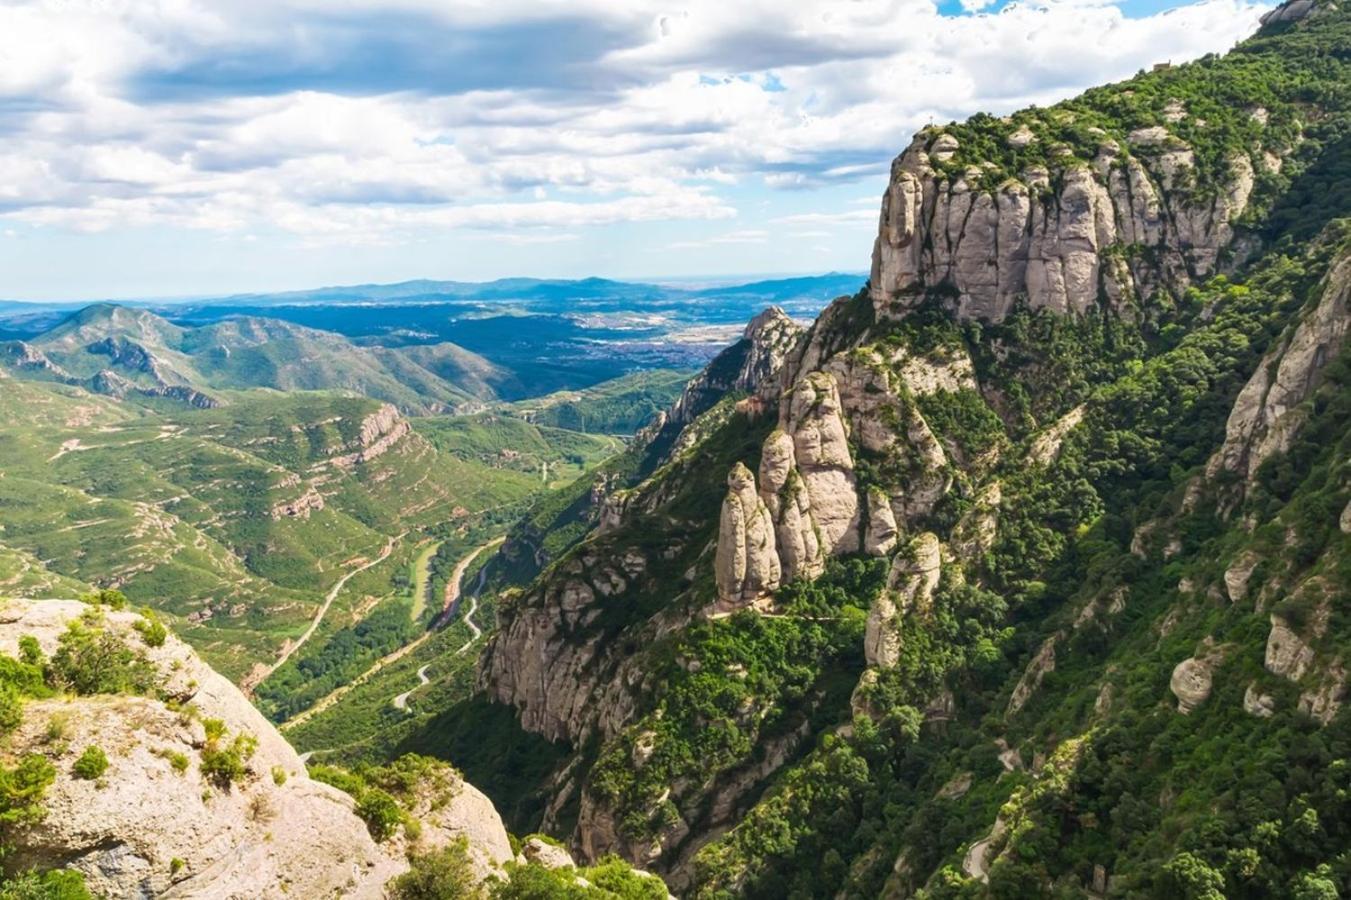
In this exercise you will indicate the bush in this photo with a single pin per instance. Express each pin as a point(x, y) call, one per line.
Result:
point(11, 708)
point(93, 660)
point(445, 874)
point(22, 789)
point(56, 884)
point(91, 765)
point(381, 811)
point(151, 629)
point(278, 776)
point(225, 763)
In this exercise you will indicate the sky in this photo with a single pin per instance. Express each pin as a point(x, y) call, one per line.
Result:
point(159, 148)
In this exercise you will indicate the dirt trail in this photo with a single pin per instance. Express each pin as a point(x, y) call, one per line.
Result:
point(256, 677)
point(451, 598)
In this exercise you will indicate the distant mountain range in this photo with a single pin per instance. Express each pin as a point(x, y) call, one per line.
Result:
point(426, 346)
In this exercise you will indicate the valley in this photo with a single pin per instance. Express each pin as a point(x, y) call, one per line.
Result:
point(1018, 567)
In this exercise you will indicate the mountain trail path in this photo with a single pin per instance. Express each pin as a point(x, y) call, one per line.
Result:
point(450, 601)
point(258, 675)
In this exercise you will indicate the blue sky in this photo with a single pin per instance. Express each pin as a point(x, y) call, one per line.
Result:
point(151, 148)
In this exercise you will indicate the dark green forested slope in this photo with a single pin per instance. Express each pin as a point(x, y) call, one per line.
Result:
point(1128, 674)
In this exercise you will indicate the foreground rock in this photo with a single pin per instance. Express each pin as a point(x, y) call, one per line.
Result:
point(155, 824)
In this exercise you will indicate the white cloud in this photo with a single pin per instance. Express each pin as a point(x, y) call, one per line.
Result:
point(333, 119)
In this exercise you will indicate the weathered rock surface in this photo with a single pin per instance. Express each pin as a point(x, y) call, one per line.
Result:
point(254, 839)
point(1191, 683)
point(747, 564)
point(915, 573)
point(1287, 654)
point(813, 418)
point(785, 496)
point(1266, 415)
point(1256, 703)
point(1037, 667)
point(993, 246)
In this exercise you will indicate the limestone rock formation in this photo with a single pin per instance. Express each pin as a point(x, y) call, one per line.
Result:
point(1191, 683)
point(813, 418)
point(915, 573)
point(1041, 663)
point(1256, 703)
point(942, 227)
point(145, 828)
point(750, 366)
point(1287, 654)
point(747, 563)
point(785, 496)
point(1266, 415)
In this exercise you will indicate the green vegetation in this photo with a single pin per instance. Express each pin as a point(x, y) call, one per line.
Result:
point(94, 660)
point(620, 406)
point(56, 884)
point(445, 874)
point(91, 765)
point(225, 763)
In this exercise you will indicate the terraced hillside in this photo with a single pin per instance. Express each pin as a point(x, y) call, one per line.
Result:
point(238, 521)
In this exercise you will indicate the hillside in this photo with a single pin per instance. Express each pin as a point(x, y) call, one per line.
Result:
point(118, 350)
point(237, 522)
point(1021, 572)
point(104, 709)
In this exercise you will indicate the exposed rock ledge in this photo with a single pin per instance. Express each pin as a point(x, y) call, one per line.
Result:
point(254, 839)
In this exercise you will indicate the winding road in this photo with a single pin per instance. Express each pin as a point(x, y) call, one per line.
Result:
point(401, 701)
point(450, 600)
point(256, 677)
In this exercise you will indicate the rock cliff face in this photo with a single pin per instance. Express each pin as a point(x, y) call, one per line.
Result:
point(1043, 233)
point(746, 567)
point(1266, 415)
point(150, 827)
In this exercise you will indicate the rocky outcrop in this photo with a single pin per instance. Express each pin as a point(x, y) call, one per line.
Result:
point(914, 576)
point(1043, 235)
point(1266, 416)
point(750, 366)
point(1040, 664)
point(564, 678)
point(975, 532)
point(747, 564)
point(1287, 654)
point(378, 432)
point(813, 418)
point(1256, 703)
point(155, 826)
point(785, 496)
point(1191, 683)
point(1290, 11)
point(301, 507)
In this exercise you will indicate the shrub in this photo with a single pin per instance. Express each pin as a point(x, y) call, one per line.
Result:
point(56, 884)
point(91, 765)
point(92, 660)
point(445, 874)
point(151, 629)
point(176, 865)
point(381, 811)
point(108, 598)
point(226, 765)
point(278, 776)
point(30, 651)
point(22, 789)
point(11, 708)
point(177, 761)
point(56, 727)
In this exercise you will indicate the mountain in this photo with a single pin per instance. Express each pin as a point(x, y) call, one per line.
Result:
point(107, 709)
point(1022, 571)
point(117, 349)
